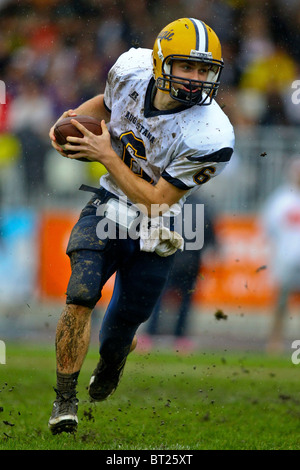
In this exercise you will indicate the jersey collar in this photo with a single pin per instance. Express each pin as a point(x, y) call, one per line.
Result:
point(150, 111)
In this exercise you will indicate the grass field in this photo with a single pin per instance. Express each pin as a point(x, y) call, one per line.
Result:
point(203, 401)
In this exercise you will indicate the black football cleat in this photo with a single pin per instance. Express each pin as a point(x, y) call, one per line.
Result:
point(106, 377)
point(64, 413)
point(105, 380)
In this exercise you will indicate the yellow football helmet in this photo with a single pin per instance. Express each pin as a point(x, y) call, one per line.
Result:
point(188, 39)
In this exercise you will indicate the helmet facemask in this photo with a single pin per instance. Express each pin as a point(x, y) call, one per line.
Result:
point(197, 91)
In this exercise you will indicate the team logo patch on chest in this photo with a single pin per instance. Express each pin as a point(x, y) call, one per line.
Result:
point(134, 95)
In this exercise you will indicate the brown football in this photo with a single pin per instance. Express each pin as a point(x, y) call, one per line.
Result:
point(65, 128)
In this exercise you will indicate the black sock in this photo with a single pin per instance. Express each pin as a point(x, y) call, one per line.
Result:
point(67, 383)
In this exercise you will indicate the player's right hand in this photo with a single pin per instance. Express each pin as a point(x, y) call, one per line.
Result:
point(69, 113)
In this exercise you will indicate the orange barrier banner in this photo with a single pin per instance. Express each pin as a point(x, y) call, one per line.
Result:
point(54, 269)
point(237, 275)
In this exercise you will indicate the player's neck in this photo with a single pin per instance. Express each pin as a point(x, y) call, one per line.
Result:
point(163, 101)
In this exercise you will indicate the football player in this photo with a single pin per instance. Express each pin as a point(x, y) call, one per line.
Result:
point(163, 136)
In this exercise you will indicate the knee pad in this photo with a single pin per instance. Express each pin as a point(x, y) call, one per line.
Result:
point(84, 287)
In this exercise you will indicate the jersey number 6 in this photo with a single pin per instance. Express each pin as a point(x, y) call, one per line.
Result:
point(136, 147)
point(204, 175)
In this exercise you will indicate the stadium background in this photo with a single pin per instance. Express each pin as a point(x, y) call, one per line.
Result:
point(53, 55)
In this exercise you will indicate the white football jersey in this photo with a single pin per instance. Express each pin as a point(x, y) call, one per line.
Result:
point(186, 146)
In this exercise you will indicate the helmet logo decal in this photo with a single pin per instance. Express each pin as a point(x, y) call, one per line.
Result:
point(166, 35)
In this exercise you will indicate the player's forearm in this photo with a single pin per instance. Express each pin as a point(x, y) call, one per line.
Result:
point(94, 108)
point(138, 190)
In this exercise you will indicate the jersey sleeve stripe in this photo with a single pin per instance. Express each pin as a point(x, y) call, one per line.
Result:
point(222, 155)
point(106, 107)
point(174, 181)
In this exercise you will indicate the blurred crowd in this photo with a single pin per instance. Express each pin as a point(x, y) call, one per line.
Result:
point(56, 53)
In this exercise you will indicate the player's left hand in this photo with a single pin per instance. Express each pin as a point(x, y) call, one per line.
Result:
point(96, 148)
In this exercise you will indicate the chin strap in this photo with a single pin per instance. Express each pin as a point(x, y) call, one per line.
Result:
point(186, 97)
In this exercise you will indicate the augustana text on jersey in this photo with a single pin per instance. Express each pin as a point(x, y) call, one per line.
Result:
point(142, 129)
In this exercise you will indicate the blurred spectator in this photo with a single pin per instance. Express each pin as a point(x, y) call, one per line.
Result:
point(267, 80)
point(30, 117)
point(285, 25)
point(281, 221)
point(110, 36)
point(256, 42)
point(31, 108)
point(275, 71)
